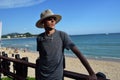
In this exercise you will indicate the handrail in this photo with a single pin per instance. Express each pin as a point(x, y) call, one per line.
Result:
point(68, 74)
point(29, 64)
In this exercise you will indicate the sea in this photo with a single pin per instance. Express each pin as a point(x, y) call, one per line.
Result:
point(98, 46)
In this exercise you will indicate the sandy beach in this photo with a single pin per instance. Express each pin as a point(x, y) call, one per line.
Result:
point(109, 67)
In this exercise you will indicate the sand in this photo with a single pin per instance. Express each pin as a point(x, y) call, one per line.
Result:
point(110, 67)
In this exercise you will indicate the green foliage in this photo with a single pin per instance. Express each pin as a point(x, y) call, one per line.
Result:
point(6, 78)
point(28, 78)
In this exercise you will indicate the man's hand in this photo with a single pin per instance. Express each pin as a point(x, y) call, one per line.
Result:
point(93, 77)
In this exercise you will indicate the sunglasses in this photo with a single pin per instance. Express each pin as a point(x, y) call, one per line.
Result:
point(51, 18)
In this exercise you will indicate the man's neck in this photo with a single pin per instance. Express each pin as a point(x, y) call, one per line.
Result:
point(49, 32)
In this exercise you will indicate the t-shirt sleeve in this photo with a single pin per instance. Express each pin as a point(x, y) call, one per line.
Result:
point(68, 44)
point(38, 41)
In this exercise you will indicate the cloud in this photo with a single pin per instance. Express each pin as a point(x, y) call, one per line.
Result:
point(18, 3)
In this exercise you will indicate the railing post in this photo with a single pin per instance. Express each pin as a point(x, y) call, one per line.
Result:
point(20, 69)
point(5, 64)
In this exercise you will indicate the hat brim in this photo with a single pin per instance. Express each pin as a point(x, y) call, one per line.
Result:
point(39, 22)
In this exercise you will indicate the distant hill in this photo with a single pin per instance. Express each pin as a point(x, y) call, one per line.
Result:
point(18, 35)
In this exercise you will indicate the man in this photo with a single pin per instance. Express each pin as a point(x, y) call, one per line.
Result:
point(51, 45)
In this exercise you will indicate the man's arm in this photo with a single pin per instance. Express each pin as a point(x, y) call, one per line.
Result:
point(84, 62)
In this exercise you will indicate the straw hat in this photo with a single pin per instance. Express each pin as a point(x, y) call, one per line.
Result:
point(45, 14)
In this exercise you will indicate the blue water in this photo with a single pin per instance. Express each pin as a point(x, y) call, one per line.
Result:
point(92, 46)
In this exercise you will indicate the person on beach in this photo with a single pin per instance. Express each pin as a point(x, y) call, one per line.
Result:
point(51, 45)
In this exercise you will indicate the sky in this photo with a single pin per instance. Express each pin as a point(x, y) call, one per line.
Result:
point(78, 16)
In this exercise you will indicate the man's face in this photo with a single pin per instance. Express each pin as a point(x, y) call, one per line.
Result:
point(50, 22)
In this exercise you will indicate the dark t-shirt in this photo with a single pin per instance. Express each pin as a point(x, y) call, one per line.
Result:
point(51, 50)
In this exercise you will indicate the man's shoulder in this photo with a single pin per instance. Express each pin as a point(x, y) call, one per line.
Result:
point(41, 34)
point(61, 32)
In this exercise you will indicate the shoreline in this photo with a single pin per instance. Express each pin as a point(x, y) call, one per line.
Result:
point(12, 50)
point(98, 58)
point(109, 67)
